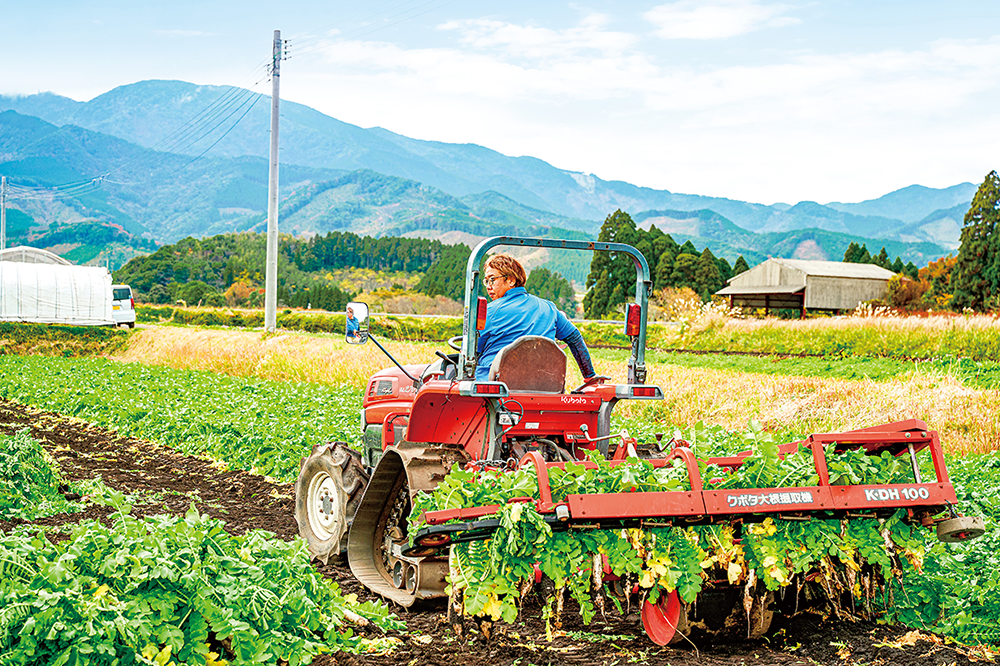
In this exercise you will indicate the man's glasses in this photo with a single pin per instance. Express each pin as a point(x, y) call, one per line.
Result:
point(490, 280)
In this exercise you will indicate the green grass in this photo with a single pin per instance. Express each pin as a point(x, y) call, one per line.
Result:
point(975, 374)
point(57, 339)
point(976, 337)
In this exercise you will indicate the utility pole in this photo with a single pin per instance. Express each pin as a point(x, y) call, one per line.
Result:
point(3, 213)
point(271, 280)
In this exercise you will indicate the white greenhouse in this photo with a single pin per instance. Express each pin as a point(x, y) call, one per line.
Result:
point(47, 293)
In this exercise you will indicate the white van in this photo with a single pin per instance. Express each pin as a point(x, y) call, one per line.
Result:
point(122, 305)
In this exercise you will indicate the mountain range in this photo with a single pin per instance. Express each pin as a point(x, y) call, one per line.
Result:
point(170, 160)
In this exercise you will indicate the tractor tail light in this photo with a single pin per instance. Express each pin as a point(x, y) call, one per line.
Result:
point(644, 391)
point(633, 319)
point(481, 314)
point(487, 388)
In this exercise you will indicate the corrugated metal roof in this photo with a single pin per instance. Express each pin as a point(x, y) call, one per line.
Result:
point(782, 289)
point(837, 269)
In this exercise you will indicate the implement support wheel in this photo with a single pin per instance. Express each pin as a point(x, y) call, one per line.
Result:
point(962, 528)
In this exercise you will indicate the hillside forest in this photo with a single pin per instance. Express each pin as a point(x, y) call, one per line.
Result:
point(413, 274)
point(326, 271)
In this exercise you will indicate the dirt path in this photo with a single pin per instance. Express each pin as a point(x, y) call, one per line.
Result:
point(164, 481)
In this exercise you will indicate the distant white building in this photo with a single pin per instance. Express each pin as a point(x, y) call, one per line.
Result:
point(796, 284)
point(32, 255)
point(33, 288)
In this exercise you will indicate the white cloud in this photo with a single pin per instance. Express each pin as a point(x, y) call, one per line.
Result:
point(883, 87)
point(588, 98)
point(507, 62)
point(184, 33)
point(694, 19)
point(527, 41)
point(555, 66)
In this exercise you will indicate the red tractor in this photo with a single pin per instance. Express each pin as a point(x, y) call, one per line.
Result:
point(419, 420)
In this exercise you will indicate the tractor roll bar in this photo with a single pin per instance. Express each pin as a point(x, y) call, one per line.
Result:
point(467, 358)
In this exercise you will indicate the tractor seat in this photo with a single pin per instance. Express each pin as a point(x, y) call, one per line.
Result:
point(532, 363)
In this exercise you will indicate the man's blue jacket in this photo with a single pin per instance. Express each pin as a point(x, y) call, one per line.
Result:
point(517, 314)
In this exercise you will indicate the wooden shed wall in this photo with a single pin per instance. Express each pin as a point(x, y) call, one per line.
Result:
point(769, 274)
point(839, 293)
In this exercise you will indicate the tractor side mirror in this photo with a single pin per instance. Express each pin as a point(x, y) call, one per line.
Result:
point(356, 323)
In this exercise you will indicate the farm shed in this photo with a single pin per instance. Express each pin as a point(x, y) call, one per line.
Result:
point(47, 293)
point(796, 284)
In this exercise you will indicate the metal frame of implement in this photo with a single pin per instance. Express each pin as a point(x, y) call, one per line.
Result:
point(702, 505)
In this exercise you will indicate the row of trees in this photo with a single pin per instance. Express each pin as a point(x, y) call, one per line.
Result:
point(346, 250)
point(858, 254)
point(552, 286)
point(227, 269)
point(205, 270)
point(612, 274)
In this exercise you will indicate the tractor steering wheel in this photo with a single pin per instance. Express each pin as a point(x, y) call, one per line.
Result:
point(596, 379)
point(456, 342)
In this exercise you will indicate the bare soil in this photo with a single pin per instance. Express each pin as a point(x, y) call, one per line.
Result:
point(169, 482)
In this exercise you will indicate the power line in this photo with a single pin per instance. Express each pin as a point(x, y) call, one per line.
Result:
point(191, 132)
point(233, 126)
point(147, 158)
point(22, 193)
point(197, 128)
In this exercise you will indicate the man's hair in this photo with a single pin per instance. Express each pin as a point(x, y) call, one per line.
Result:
point(508, 267)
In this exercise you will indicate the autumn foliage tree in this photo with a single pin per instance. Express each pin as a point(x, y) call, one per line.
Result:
point(905, 293)
point(937, 275)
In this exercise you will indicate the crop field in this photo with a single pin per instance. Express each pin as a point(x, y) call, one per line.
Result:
point(245, 403)
point(253, 424)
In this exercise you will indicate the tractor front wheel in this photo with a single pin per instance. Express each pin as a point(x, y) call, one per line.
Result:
point(330, 483)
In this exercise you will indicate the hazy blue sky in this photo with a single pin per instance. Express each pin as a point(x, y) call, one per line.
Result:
point(825, 100)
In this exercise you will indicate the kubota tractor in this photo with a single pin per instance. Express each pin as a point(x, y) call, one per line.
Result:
point(419, 420)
